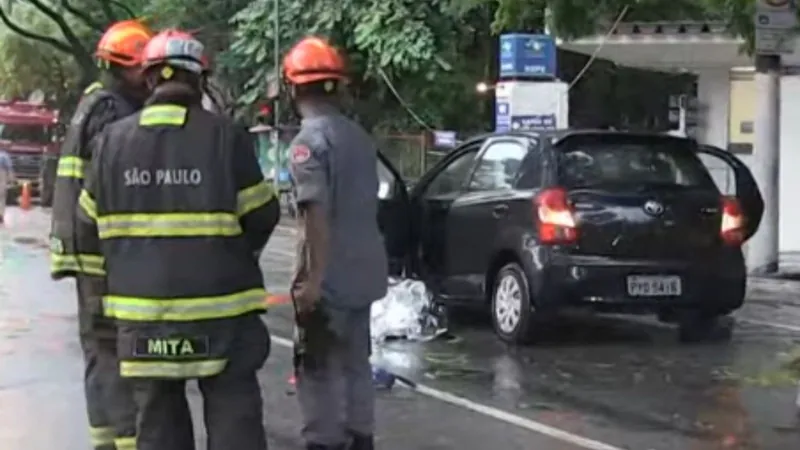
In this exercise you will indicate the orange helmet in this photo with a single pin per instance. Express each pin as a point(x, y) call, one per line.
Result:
point(177, 49)
point(123, 43)
point(311, 60)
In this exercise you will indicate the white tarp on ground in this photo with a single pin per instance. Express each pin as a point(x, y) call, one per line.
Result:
point(407, 312)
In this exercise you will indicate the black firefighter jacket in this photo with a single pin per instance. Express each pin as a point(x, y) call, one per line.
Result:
point(177, 205)
point(98, 107)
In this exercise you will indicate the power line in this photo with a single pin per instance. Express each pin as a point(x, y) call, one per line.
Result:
point(572, 84)
point(400, 99)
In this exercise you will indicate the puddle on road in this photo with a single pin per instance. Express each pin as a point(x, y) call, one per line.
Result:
point(15, 258)
point(609, 376)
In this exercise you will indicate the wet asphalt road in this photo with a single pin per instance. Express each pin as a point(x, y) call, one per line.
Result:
point(626, 383)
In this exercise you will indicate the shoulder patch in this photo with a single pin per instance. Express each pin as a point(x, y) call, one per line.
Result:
point(300, 154)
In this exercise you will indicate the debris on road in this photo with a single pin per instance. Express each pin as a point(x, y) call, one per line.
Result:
point(408, 311)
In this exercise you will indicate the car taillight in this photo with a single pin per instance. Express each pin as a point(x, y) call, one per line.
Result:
point(732, 226)
point(556, 221)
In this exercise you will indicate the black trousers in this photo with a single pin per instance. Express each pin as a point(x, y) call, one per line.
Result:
point(109, 398)
point(232, 403)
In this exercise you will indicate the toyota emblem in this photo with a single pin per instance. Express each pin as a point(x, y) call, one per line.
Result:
point(653, 208)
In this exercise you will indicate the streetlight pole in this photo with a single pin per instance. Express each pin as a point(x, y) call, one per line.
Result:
point(276, 111)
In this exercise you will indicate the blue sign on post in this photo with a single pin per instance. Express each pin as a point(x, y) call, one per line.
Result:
point(502, 116)
point(527, 55)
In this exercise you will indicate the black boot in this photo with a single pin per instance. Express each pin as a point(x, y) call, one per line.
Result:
point(362, 442)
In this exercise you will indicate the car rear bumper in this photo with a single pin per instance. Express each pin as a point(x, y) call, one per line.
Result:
point(600, 283)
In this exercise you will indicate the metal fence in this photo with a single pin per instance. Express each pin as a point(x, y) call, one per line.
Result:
point(408, 153)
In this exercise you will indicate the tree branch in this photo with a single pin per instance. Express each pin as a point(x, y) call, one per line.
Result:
point(53, 42)
point(105, 5)
point(123, 7)
point(83, 16)
point(77, 48)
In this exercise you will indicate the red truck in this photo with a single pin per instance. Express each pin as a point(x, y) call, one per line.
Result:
point(29, 132)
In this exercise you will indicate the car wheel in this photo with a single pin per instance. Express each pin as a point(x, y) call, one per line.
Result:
point(512, 310)
point(700, 327)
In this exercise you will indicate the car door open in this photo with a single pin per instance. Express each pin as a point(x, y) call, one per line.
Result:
point(746, 188)
point(394, 216)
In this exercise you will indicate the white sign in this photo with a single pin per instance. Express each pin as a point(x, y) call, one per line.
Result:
point(780, 20)
point(445, 139)
point(775, 22)
point(775, 42)
point(537, 104)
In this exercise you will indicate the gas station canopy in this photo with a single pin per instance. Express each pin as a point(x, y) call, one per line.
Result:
point(669, 46)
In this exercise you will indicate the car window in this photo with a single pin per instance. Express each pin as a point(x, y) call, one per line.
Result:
point(721, 173)
point(530, 175)
point(452, 177)
point(638, 162)
point(498, 166)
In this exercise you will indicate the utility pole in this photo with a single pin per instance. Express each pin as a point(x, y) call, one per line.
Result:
point(763, 248)
point(775, 21)
point(276, 110)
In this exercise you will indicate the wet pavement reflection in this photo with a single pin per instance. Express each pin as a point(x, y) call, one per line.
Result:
point(626, 382)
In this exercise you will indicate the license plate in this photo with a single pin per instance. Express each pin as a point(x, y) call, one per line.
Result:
point(654, 286)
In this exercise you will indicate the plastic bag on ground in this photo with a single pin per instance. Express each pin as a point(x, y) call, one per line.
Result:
point(407, 312)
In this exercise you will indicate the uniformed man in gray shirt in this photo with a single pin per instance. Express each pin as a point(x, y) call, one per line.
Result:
point(342, 264)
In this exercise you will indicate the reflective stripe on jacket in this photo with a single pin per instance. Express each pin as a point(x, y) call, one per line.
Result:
point(177, 203)
point(65, 259)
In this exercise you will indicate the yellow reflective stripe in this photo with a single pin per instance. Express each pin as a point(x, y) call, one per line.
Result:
point(254, 197)
point(168, 225)
point(164, 369)
point(83, 263)
point(101, 436)
point(93, 87)
point(184, 309)
point(163, 115)
point(88, 204)
point(125, 443)
point(70, 167)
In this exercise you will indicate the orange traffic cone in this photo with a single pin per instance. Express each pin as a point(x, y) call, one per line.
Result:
point(25, 196)
point(278, 299)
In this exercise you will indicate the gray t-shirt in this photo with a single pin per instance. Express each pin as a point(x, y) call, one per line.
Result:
point(333, 162)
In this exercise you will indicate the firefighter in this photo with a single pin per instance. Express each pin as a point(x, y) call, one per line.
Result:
point(176, 203)
point(119, 93)
point(342, 264)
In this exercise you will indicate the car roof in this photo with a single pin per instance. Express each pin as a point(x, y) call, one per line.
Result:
point(557, 135)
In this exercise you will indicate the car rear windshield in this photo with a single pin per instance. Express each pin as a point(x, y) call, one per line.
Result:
point(623, 161)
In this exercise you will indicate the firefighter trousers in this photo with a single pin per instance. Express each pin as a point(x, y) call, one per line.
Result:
point(337, 397)
point(232, 403)
point(109, 398)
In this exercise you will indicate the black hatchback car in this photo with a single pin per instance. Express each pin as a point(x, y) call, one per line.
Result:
point(529, 224)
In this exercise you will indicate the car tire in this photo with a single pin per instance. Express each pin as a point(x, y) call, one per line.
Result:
point(512, 310)
point(702, 327)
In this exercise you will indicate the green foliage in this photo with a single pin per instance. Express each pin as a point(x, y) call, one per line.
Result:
point(27, 65)
point(418, 47)
point(420, 56)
